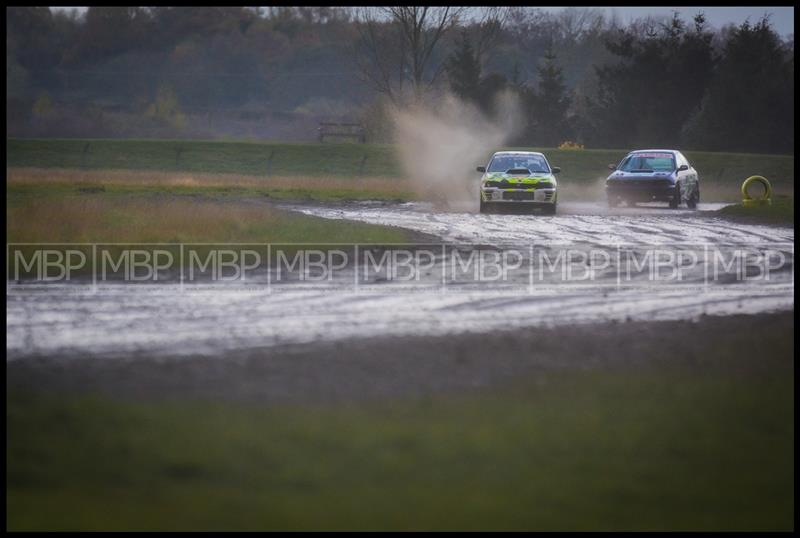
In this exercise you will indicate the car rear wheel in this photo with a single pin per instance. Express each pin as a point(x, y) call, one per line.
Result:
point(676, 197)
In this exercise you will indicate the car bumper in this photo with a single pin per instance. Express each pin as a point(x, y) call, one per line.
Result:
point(641, 191)
point(519, 196)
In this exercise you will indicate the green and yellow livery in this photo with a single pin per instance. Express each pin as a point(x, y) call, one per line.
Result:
point(520, 178)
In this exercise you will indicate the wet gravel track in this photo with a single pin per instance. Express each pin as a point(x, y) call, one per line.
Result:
point(123, 321)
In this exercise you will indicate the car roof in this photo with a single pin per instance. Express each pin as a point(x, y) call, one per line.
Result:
point(654, 151)
point(517, 153)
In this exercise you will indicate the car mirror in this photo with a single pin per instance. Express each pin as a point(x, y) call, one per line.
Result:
point(682, 167)
point(556, 169)
point(612, 166)
point(481, 169)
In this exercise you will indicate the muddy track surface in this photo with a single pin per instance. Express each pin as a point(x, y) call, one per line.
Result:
point(367, 369)
point(576, 222)
point(124, 321)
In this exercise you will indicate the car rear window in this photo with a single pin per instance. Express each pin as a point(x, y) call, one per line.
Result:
point(648, 162)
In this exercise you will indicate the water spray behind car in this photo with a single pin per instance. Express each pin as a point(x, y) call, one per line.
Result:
point(439, 145)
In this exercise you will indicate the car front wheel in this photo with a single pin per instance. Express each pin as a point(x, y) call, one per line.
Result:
point(550, 210)
point(694, 199)
point(676, 197)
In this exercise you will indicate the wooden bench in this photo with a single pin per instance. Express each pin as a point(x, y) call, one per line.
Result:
point(341, 130)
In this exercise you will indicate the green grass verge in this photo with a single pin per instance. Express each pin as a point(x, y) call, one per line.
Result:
point(345, 160)
point(648, 449)
point(248, 158)
point(16, 192)
point(781, 211)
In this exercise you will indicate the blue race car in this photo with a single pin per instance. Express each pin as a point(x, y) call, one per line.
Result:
point(653, 175)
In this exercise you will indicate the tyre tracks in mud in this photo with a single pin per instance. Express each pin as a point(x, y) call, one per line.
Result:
point(123, 322)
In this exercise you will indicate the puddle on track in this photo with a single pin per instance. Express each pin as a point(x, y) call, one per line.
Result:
point(123, 320)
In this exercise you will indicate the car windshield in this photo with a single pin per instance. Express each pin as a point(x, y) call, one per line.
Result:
point(535, 163)
point(648, 162)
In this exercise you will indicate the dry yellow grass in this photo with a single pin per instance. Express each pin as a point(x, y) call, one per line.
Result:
point(141, 219)
point(44, 205)
point(165, 218)
point(183, 179)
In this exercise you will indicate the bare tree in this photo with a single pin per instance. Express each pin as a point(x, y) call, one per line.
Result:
point(397, 46)
point(380, 54)
point(576, 22)
point(489, 26)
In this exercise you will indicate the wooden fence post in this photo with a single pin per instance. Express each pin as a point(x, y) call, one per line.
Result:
point(269, 162)
point(84, 154)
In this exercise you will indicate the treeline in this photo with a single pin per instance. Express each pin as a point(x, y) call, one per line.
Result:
point(581, 76)
point(177, 72)
point(667, 84)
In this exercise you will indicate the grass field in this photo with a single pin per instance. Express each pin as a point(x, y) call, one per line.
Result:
point(177, 219)
point(697, 440)
point(247, 158)
point(669, 447)
point(146, 207)
point(780, 211)
point(349, 160)
point(22, 182)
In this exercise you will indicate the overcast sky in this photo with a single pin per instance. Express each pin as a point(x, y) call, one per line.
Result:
point(782, 17)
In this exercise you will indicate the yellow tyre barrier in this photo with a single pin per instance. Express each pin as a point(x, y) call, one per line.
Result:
point(766, 199)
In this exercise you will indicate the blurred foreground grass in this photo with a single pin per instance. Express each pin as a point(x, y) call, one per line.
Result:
point(652, 448)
